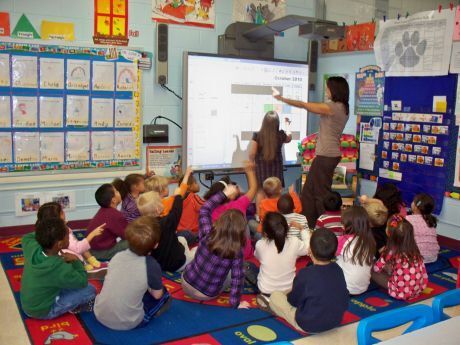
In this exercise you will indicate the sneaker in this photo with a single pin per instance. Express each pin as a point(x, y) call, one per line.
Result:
point(263, 302)
point(165, 307)
point(85, 307)
point(103, 266)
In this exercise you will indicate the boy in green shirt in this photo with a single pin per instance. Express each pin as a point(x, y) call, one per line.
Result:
point(53, 282)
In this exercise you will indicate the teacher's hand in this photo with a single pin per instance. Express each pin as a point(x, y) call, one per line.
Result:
point(276, 94)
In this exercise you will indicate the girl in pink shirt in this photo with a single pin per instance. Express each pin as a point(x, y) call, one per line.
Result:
point(241, 203)
point(424, 224)
point(79, 248)
point(400, 268)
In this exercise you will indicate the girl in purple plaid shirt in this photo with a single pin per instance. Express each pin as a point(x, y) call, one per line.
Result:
point(218, 262)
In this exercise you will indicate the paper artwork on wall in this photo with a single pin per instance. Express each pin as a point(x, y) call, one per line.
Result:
point(51, 73)
point(77, 146)
point(102, 146)
point(4, 70)
point(192, 13)
point(24, 111)
point(24, 71)
point(26, 147)
point(258, 11)
point(52, 147)
point(51, 112)
point(102, 112)
point(78, 74)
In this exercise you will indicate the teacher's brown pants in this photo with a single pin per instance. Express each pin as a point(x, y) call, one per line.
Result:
point(318, 185)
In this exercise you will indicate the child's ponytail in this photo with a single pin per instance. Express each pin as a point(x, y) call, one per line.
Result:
point(124, 187)
point(425, 204)
point(276, 228)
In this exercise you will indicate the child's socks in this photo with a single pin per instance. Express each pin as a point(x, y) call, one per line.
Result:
point(93, 262)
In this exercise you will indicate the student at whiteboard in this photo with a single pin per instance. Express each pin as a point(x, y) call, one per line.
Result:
point(265, 150)
point(333, 118)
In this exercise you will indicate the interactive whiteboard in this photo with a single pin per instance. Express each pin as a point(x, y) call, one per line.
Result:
point(225, 100)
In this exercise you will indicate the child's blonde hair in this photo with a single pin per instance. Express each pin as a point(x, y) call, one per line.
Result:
point(272, 186)
point(378, 213)
point(149, 204)
point(156, 184)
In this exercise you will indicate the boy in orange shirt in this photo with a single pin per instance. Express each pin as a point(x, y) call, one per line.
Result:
point(272, 188)
point(188, 225)
point(160, 184)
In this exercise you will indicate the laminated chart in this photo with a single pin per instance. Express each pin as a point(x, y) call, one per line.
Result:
point(419, 45)
point(68, 108)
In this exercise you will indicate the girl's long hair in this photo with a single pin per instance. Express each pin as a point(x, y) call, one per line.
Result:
point(356, 222)
point(391, 197)
point(267, 139)
point(276, 228)
point(425, 203)
point(401, 242)
point(340, 92)
point(217, 187)
point(228, 236)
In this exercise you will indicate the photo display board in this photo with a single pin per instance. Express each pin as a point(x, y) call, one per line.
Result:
point(67, 108)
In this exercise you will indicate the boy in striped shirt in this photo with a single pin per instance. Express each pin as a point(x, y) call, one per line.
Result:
point(332, 218)
point(296, 221)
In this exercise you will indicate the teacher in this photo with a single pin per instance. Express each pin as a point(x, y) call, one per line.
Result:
point(333, 117)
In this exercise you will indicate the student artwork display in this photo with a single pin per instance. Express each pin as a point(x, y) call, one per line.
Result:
point(258, 12)
point(28, 203)
point(64, 108)
point(192, 13)
point(419, 45)
point(111, 22)
point(358, 37)
point(164, 161)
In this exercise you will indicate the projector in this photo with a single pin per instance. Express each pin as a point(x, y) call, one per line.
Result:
point(321, 31)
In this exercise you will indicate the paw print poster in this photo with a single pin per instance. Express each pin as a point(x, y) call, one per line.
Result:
point(419, 45)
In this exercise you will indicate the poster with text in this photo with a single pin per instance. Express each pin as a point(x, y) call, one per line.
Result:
point(258, 11)
point(164, 161)
point(192, 13)
point(369, 88)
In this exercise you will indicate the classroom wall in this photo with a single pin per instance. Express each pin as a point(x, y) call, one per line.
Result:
point(155, 100)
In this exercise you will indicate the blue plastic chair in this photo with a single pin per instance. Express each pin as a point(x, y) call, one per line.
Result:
point(445, 300)
point(421, 315)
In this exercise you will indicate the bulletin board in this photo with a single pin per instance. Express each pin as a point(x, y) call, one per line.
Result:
point(418, 135)
point(65, 108)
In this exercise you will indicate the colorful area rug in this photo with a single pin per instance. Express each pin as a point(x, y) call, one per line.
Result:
point(213, 322)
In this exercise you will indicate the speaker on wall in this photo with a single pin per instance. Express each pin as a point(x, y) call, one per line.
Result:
point(313, 51)
point(162, 54)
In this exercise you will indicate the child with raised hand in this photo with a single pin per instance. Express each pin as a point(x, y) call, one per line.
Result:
point(53, 282)
point(188, 225)
point(130, 188)
point(106, 245)
point(278, 253)
point(332, 217)
point(160, 184)
point(296, 221)
point(424, 224)
point(218, 262)
point(124, 304)
point(172, 251)
point(79, 248)
point(265, 149)
point(319, 295)
point(400, 268)
point(356, 249)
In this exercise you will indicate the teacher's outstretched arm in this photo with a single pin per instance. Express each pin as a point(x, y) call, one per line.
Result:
point(317, 108)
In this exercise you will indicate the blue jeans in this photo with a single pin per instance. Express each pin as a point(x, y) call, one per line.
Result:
point(69, 299)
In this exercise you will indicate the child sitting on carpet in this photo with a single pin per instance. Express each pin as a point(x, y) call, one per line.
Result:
point(319, 295)
point(188, 225)
point(219, 253)
point(424, 224)
point(172, 251)
point(356, 249)
point(378, 217)
point(278, 253)
point(160, 184)
point(296, 221)
point(53, 282)
point(400, 268)
point(332, 218)
point(79, 248)
point(106, 246)
point(123, 303)
point(130, 188)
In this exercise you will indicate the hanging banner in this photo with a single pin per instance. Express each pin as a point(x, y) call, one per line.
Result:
point(419, 45)
point(358, 37)
point(164, 161)
point(192, 13)
point(369, 88)
point(258, 12)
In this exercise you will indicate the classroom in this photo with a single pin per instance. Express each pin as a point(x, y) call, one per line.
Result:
point(229, 172)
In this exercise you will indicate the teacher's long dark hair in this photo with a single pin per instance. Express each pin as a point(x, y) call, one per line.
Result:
point(340, 92)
